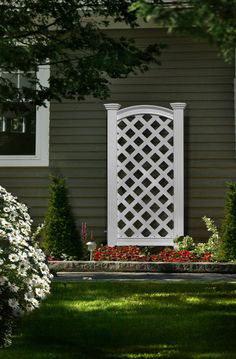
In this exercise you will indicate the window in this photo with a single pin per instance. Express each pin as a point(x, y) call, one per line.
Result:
point(24, 139)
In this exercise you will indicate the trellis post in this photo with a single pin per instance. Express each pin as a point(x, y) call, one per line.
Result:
point(112, 109)
point(178, 118)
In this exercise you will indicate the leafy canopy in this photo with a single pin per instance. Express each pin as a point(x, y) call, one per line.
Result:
point(211, 19)
point(68, 35)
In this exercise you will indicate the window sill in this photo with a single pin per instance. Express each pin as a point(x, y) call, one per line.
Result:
point(23, 161)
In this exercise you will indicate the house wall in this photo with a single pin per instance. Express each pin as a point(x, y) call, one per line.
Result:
point(191, 72)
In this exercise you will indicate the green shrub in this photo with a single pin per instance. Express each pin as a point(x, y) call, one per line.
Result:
point(227, 249)
point(61, 239)
point(212, 245)
point(201, 249)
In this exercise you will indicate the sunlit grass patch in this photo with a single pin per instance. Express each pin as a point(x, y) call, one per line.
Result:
point(194, 300)
point(155, 351)
point(105, 320)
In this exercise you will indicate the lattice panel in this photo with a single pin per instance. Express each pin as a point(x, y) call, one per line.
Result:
point(145, 177)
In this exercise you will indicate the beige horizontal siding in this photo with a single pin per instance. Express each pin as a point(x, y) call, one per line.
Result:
point(191, 72)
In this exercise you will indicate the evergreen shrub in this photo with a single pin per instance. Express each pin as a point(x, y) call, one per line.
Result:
point(227, 248)
point(61, 239)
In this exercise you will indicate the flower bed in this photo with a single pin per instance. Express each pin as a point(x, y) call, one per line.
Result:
point(135, 254)
point(24, 275)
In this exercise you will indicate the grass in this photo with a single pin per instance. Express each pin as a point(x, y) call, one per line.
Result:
point(130, 320)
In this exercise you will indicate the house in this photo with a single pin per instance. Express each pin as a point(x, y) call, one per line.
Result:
point(192, 72)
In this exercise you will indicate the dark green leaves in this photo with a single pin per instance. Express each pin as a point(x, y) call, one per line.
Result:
point(210, 19)
point(70, 36)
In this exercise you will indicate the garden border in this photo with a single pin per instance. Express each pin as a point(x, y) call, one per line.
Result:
point(161, 267)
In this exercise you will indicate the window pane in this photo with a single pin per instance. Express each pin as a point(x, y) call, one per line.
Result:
point(2, 124)
point(17, 132)
point(26, 82)
point(17, 125)
point(12, 77)
point(18, 137)
point(33, 126)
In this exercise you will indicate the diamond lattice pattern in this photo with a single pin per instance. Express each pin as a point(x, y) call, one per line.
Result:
point(145, 177)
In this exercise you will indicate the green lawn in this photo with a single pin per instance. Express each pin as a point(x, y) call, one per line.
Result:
point(130, 320)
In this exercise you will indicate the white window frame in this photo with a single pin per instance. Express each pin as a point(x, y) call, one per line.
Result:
point(41, 157)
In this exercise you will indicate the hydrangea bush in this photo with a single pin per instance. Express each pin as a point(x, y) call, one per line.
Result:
point(24, 276)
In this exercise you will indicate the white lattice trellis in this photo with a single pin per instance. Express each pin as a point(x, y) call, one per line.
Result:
point(145, 174)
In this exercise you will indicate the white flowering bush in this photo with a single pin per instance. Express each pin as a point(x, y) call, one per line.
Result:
point(211, 247)
point(213, 242)
point(24, 275)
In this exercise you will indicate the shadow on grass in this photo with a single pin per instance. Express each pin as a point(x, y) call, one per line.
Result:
point(130, 320)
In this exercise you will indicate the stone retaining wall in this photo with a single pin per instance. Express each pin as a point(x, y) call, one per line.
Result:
point(94, 266)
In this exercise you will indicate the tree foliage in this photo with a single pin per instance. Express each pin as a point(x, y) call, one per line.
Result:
point(68, 35)
point(60, 235)
point(211, 19)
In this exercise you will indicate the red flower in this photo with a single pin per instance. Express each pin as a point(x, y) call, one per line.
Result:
point(134, 253)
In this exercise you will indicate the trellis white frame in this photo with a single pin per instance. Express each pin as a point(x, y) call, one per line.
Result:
point(114, 116)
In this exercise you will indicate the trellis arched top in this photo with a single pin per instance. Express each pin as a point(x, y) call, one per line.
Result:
point(144, 109)
point(145, 174)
